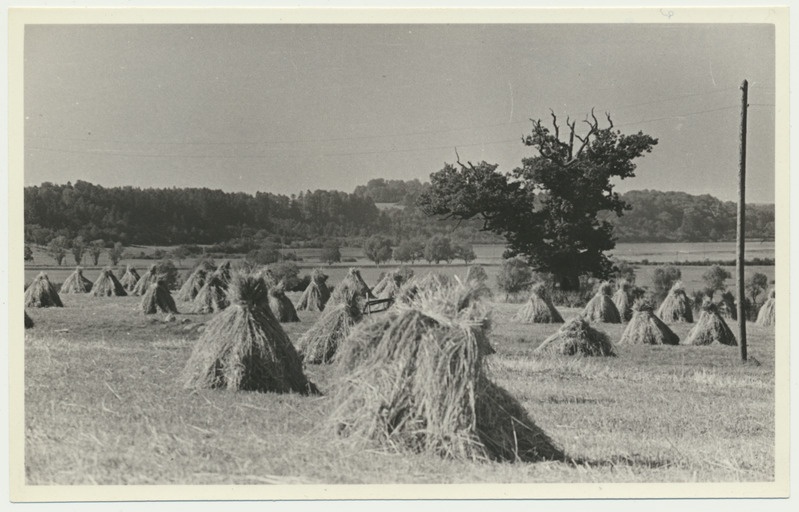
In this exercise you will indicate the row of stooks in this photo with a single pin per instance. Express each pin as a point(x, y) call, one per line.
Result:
point(411, 377)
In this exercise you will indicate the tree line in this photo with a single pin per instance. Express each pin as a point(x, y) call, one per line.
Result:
point(176, 216)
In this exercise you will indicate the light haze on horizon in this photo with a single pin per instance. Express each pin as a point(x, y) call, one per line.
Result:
point(287, 108)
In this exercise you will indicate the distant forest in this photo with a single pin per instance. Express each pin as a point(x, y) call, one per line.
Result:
point(135, 216)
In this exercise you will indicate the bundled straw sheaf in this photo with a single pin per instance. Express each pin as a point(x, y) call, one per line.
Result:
point(42, 293)
point(431, 281)
point(352, 283)
point(414, 380)
point(389, 286)
point(157, 298)
point(726, 306)
point(107, 285)
point(766, 316)
point(316, 294)
point(677, 306)
point(28, 321)
point(601, 307)
point(539, 309)
point(646, 328)
point(145, 280)
point(621, 299)
point(710, 328)
point(194, 283)
point(577, 337)
point(319, 344)
point(212, 297)
point(76, 283)
point(130, 278)
point(281, 305)
point(245, 348)
point(224, 271)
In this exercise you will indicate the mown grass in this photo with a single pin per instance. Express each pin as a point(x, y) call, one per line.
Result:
point(102, 405)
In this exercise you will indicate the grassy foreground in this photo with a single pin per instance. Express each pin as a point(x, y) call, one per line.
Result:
point(102, 405)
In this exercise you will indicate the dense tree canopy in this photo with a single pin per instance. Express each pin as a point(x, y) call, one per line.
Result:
point(548, 209)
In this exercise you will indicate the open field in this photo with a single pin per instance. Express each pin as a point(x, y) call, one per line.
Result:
point(102, 405)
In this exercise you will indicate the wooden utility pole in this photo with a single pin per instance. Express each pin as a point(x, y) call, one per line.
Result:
point(742, 223)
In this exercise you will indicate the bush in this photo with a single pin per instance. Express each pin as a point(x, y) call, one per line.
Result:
point(715, 279)
point(623, 270)
point(514, 276)
point(330, 252)
point(268, 253)
point(288, 272)
point(663, 279)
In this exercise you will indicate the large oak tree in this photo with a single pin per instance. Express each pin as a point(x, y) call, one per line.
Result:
point(547, 208)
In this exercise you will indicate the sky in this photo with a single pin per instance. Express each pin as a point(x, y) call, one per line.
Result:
point(286, 108)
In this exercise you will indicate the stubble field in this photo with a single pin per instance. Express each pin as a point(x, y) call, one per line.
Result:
point(103, 405)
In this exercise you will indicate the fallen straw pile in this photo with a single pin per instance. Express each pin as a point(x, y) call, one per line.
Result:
point(577, 337)
point(352, 283)
point(621, 299)
point(677, 306)
point(415, 380)
point(245, 348)
point(601, 308)
point(212, 297)
point(145, 280)
point(711, 328)
point(766, 316)
point(76, 283)
point(318, 345)
point(157, 298)
point(129, 278)
point(316, 294)
point(281, 305)
point(107, 285)
point(42, 294)
point(646, 328)
point(539, 309)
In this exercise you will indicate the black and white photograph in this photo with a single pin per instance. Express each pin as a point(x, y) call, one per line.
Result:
point(287, 252)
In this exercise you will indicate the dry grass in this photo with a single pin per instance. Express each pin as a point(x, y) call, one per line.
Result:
point(703, 417)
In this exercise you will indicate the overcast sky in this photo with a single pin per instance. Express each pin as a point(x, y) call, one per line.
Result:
point(285, 108)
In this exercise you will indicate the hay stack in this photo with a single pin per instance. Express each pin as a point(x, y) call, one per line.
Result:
point(476, 273)
point(601, 307)
point(319, 343)
point(646, 328)
point(76, 283)
point(621, 299)
point(677, 306)
point(157, 298)
point(28, 321)
point(766, 316)
point(130, 278)
point(245, 348)
point(577, 337)
point(145, 281)
point(212, 297)
point(224, 272)
point(352, 283)
point(389, 286)
point(316, 294)
point(194, 283)
point(415, 380)
point(281, 305)
point(107, 285)
point(711, 328)
point(539, 309)
point(42, 294)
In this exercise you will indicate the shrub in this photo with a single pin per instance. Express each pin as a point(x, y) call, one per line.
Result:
point(514, 276)
point(330, 252)
point(715, 280)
